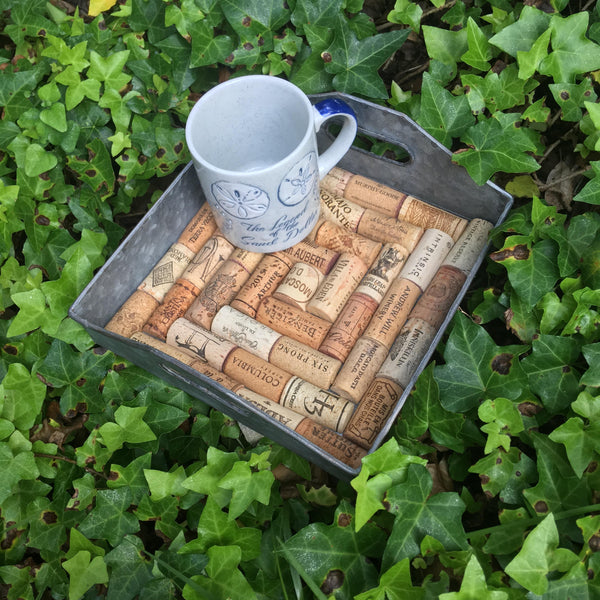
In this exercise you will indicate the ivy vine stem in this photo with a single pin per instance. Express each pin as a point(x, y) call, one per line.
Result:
point(580, 510)
point(70, 460)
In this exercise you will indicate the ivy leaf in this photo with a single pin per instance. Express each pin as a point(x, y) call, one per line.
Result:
point(571, 97)
point(580, 442)
point(442, 114)
point(109, 69)
point(311, 78)
point(38, 161)
point(80, 374)
point(246, 487)
point(216, 529)
point(130, 569)
point(407, 13)
point(208, 48)
point(354, 63)
point(502, 419)
point(323, 551)
point(474, 585)
point(479, 53)
point(532, 268)
point(585, 320)
point(572, 52)
point(394, 584)
point(255, 19)
point(207, 479)
point(319, 15)
point(591, 190)
point(149, 17)
point(84, 572)
point(32, 312)
point(163, 484)
point(505, 474)
point(225, 580)
point(476, 368)
point(21, 397)
point(520, 36)
point(558, 487)
point(97, 171)
point(55, 117)
point(591, 377)
point(380, 470)
point(15, 89)
point(418, 514)
point(128, 427)
point(444, 45)
point(498, 145)
point(423, 412)
point(538, 556)
point(131, 476)
point(530, 61)
point(550, 372)
point(15, 467)
point(110, 519)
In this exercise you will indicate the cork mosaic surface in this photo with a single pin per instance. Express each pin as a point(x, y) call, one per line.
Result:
point(325, 336)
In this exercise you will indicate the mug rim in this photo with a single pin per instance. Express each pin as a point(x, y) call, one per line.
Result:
point(277, 81)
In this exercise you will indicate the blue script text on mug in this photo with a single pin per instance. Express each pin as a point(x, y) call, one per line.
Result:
point(253, 144)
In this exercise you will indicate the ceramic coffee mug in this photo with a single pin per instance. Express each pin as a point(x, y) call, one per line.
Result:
point(253, 144)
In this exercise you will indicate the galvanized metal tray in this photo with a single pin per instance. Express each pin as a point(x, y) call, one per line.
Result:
point(428, 174)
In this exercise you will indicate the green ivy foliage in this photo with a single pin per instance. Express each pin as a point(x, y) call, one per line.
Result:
point(115, 485)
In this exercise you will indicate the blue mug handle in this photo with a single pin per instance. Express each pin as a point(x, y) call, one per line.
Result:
point(324, 110)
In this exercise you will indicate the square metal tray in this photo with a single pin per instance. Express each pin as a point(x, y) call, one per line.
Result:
point(428, 174)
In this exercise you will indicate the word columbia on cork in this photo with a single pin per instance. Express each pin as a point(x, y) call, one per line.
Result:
point(326, 337)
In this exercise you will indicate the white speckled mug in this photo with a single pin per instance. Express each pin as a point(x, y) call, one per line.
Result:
point(253, 144)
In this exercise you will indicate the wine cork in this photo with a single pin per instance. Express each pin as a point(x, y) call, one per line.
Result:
point(256, 374)
point(166, 271)
point(331, 442)
point(422, 264)
point(359, 369)
point(199, 343)
point(148, 340)
point(188, 359)
point(263, 281)
point(340, 210)
point(199, 229)
point(188, 287)
point(178, 299)
point(393, 311)
point(334, 236)
point(349, 326)
point(364, 191)
point(337, 287)
point(335, 181)
point(133, 314)
point(307, 251)
point(469, 246)
point(372, 412)
point(217, 376)
point(244, 331)
point(430, 217)
point(407, 351)
point(383, 271)
point(293, 322)
point(435, 302)
point(207, 261)
point(320, 405)
point(223, 286)
point(381, 228)
point(299, 285)
point(286, 416)
point(304, 361)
